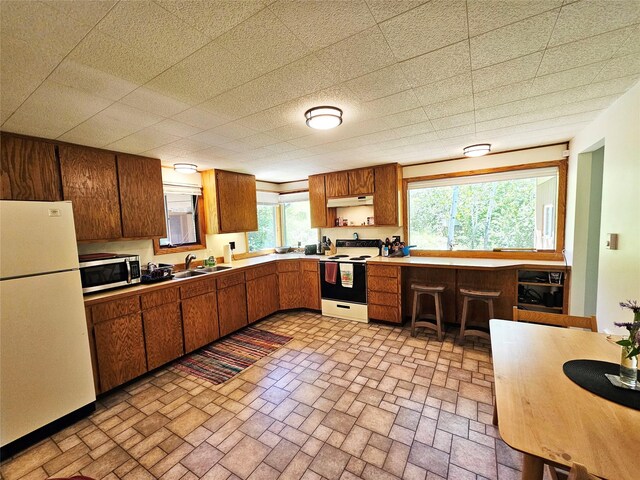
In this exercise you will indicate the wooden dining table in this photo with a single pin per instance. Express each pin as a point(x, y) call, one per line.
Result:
point(550, 419)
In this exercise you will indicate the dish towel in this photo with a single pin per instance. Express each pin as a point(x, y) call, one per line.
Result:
point(346, 275)
point(330, 272)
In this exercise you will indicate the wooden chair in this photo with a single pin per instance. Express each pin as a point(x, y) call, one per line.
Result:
point(468, 295)
point(428, 320)
point(579, 472)
point(555, 319)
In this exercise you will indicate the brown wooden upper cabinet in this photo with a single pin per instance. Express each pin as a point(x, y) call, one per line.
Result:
point(141, 196)
point(90, 181)
point(337, 184)
point(28, 169)
point(230, 201)
point(361, 181)
point(387, 200)
point(317, 201)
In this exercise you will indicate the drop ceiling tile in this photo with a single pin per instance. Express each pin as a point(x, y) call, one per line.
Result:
point(381, 83)
point(414, 129)
point(151, 101)
point(486, 15)
point(178, 129)
point(100, 130)
point(464, 130)
point(149, 29)
point(281, 147)
point(238, 146)
point(234, 130)
point(106, 54)
point(357, 55)
point(630, 45)
point(27, 57)
point(213, 22)
point(566, 79)
point(590, 17)
point(450, 107)
point(620, 67)
point(120, 112)
point(512, 41)
point(320, 24)
point(289, 132)
point(196, 117)
point(407, 117)
point(384, 9)
point(92, 80)
point(88, 12)
point(506, 73)
point(210, 137)
point(142, 141)
point(451, 121)
point(398, 102)
point(582, 52)
point(53, 109)
point(504, 94)
point(426, 28)
point(444, 63)
point(260, 140)
point(448, 89)
point(15, 90)
point(263, 42)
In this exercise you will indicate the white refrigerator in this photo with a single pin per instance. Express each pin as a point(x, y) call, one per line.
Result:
point(45, 364)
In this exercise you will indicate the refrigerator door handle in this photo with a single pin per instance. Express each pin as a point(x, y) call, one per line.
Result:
point(128, 264)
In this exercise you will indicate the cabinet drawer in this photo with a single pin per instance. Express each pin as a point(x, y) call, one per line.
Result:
point(383, 270)
point(309, 265)
point(379, 298)
point(230, 280)
point(289, 266)
point(115, 308)
point(261, 271)
point(385, 313)
point(159, 297)
point(200, 287)
point(383, 284)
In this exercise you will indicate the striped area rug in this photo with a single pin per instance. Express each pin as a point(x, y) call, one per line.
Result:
point(224, 359)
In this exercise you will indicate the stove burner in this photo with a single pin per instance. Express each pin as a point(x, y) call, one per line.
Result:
point(365, 256)
point(357, 258)
point(337, 257)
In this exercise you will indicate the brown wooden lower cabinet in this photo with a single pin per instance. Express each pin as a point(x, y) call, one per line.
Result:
point(200, 321)
point(232, 308)
point(262, 297)
point(162, 334)
point(310, 285)
point(120, 350)
point(289, 284)
point(384, 295)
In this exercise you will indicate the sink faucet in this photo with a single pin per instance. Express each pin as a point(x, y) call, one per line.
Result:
point(187, 261)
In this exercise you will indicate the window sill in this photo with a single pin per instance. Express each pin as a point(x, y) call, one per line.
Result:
point(158, 250)
point(511, 255)
point(258, 253)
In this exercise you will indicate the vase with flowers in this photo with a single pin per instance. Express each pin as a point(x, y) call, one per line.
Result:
point(630, 345)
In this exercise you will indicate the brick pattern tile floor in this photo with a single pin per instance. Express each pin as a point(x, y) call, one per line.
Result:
point(342, 400)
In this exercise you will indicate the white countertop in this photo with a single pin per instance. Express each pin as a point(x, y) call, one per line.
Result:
point(471, 263)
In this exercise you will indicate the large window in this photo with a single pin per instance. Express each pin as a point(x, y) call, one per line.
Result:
point(297, 224)
point(510, 210)
point(266, 236)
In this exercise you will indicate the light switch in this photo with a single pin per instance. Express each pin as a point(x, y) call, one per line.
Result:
point(612, 241)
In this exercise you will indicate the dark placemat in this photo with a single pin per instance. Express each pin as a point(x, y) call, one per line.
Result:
point(589, 374)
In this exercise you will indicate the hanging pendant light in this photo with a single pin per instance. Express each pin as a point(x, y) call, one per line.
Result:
point(477, 150)
point(323, 118)
point(185, 167)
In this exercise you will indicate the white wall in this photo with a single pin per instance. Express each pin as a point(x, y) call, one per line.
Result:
point(618, 129)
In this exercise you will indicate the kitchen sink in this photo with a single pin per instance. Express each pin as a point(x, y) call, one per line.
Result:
point(213, 269)
point(189, 273)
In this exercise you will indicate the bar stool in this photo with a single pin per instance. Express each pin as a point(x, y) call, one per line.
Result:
point(427, 319)
point(485, 296)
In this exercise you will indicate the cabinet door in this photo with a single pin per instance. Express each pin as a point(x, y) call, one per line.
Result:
point(90, 181)
point(262, 297)
point(28, 170)
point(289, 290)
point(162, 334)
point(141, 196)
point(200, 321)
point(237, 204)
point(317, 201)
point(232, 308)
point(337, 184)
point(386, 209)
point(120, 350)
point(361, 181)
point(311, 289)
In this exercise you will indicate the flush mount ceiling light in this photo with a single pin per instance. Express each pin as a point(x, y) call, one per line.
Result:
point(185, 167)
point(323, 118)
point(477, 150)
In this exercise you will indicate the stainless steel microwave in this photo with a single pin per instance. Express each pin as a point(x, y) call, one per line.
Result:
point(108, 271)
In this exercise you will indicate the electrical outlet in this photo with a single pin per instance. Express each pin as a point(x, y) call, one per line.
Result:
point(232, 245)
point(612, 241)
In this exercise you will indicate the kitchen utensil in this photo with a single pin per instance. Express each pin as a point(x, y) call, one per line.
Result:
point(311, 249)
point(282, 249)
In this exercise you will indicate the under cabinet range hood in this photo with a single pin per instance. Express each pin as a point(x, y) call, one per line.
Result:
point(350, 201)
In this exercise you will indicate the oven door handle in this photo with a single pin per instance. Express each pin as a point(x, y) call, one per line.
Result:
point(348, 307)
point(128, 264)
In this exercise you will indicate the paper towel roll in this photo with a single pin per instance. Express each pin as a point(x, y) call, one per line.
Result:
point(226, 251)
